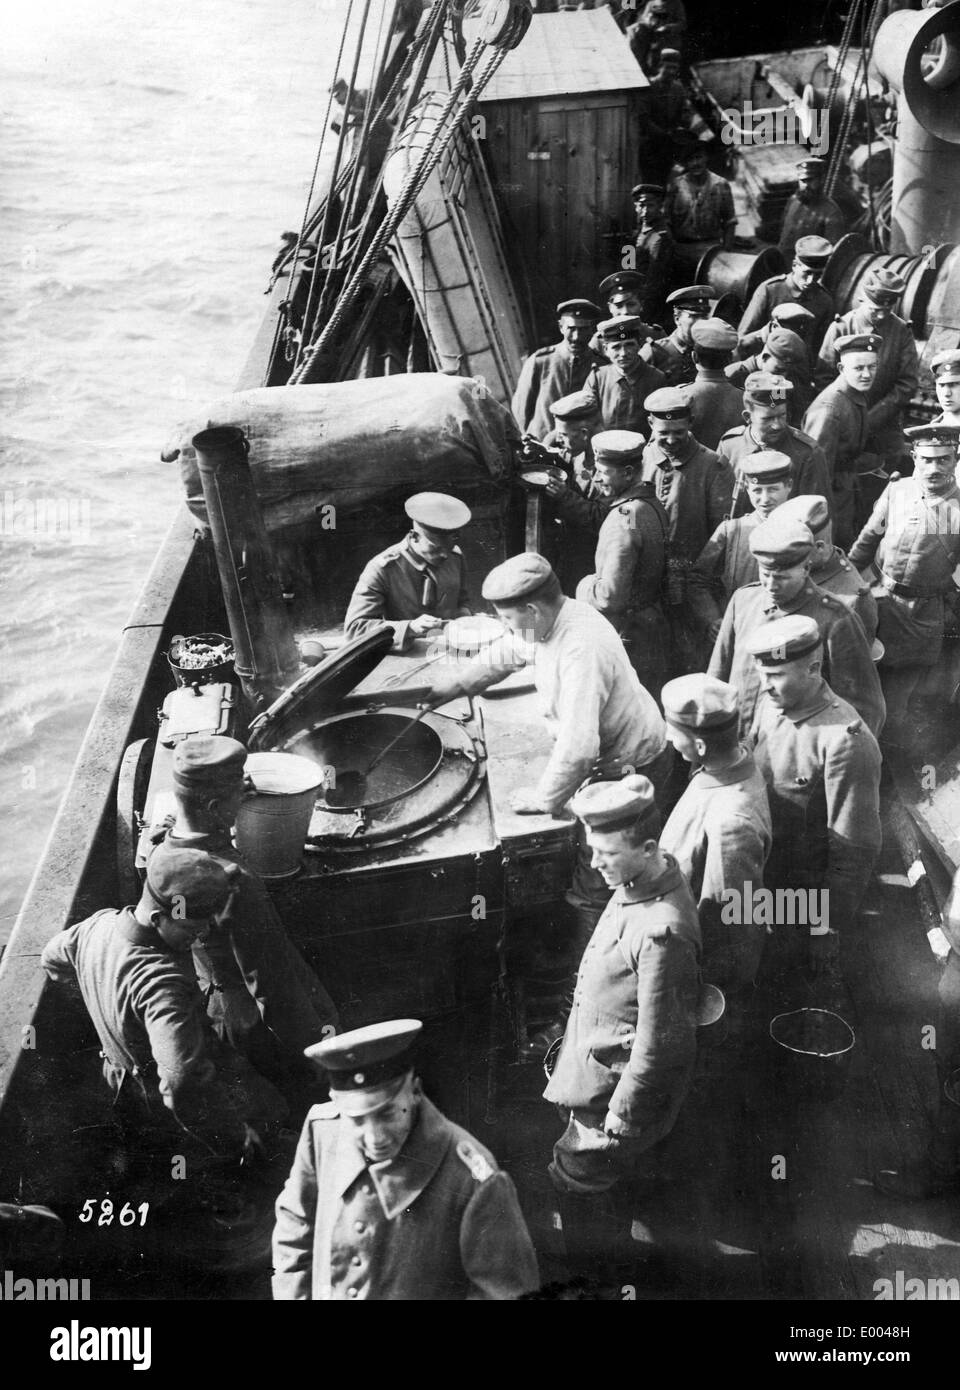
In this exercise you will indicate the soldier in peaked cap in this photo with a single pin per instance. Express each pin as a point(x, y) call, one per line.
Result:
point(912, 543)
point(654, 247)
point(946, 378)
point(786, 315)
point(838, 419)
point(765, 397)
point(700, 206)
point(831, 570)
point(624, 293)
point(575, 422)
point(555, 371)
point(620, 388)
point(822, 768)
point(165, 1067)
point(809, 212)
point(419, 584)
point(689, 304)
point(783, 550)
point(379, 1151)
point(578, 507)
point(262, 996)
point(716, 404)
point(800, 285)
point(726, 562)
point(782, 353)
point(719, 831)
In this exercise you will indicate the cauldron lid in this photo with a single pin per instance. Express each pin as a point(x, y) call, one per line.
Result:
point(318, 691)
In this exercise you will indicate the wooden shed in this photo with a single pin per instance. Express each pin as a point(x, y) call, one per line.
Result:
point(560, 127)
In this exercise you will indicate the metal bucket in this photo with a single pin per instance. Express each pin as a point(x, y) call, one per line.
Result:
point(214, 673)
point(272, 825)
point(813, 1048)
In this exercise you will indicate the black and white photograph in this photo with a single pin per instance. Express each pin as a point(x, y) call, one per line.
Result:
point(480, 548)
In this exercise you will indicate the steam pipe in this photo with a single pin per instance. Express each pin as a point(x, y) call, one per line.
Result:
point(267, 660)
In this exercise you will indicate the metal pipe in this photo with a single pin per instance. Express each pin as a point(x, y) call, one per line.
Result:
point(266, 653)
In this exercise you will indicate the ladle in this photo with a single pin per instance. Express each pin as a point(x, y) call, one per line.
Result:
point(352, 784)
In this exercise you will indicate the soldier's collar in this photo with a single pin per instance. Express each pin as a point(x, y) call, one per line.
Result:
point(804, 596)
point(398, 1182)
point(831, 566)
point(726, 777)
point(667, 882)
point(820, 701)
point(136, 933)
point(685, 455)
point(417, 560)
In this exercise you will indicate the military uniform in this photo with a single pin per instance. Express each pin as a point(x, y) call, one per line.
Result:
point(393, 586)
point(654, 261)
point(837, 419)
point(809, 467)
point(724, 565)
point(797, 400)
point(545, 376)
point(700, 211)
point(716, 405)
point(898, 372)
point(780, 289)
point(674, 358)
point(837, 576)
point(619, 397)
point(820, 218)
point(695, 491)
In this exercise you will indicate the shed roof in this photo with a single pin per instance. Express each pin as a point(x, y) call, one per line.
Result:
point(574, 51)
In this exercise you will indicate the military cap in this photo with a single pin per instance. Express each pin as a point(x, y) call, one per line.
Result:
point(622, 281)
point(783, 639)
point(699, 702)
point(208, 760)
point(577, 406)
point(618, 446)
point(613, 805)
point(781, 544)
point(579, 309)
point(789, 313)
point(437, 509)
point(786, 346)
point(813, 251)
point(366, 1066)
point(692, 297)
point(766, 466)
point(667, 403)
point(639, 189)
point(516, 577)
point(627, 328)
point(189, 882)
point(884, 286)
point(766, 388)
point(857, 342)
point(809, 509)
point(812, 165)
point(934, 434)
point(946, 366)
point(715, 334)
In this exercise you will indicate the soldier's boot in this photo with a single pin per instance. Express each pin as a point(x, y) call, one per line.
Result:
point(594, 1236)
point(539, 1043)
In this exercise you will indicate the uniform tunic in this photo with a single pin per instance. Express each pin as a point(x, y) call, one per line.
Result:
point(391, 589)
point(146, 1006)
point(821, 217)
point(654, 261)
point(630, 1040)
point(914, 542)
point(837, 419)
point(847, 664)
point(545, 376)
point(898, 367)
point(838, 577)
point(620, 397)
point(724, 565)
point(672, 357)
point(822, 769)
point(808, 467)
point(716, 405)
point(700, 211)
point(439, 1222)
point(719, 832)
point(780, 289)
point(695, 491)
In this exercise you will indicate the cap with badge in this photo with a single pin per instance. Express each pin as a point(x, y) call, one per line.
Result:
point(621, 282)
point(583, 311)
point(614, 805)
point(946, 365)
point(786, 347)
point(693, 297)
point(813, 251)
point(766, 388)
point(366, 1067)
point(857, 342)
point(884, 287)
point(437, 510)
point(208, 760)
point(715, 334)
point(516, 578)
point(766, 466)
point(782, 640)
point(793, 316)
point(190, 881)
point(667, 403)
point(579, 405)
point(779, 544)
point(620, 447)
point(644, 190)
point(947, 436)
point(627, 328)
point(698, 702)
point(809, 509)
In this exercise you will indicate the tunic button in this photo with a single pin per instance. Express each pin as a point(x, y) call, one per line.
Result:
point(351, 1293)
point(360, 1227)
point(356, 1260)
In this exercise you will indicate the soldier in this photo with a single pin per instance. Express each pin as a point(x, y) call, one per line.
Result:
point(946, 378)
point(578, 505)
point(913, 542)
point(262, 996)
point(667, 118)
point(419, 584)
point(552, 372)
point(627, 1056)
point(624, 292)
point(716, 404)
point(726, 562)
point(620, 388)
point(574, 423)
point(387, 1198)
point(171, 1079)
point(898, 366)
point(765, 414)
point(800, 286)
point(700, 207)
point(783, 550)
point(654, 36)
point(809, 211)
point(631, 557)
point(691, 303)
point(786, 315)
point(654, 248)
point(783, 353)
point(838, 420)
point(822, 769)
point(831, 570)
point(719, 831)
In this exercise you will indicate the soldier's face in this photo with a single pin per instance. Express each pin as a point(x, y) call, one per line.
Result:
point(859, 369)
point(623, 305)
point(809, 187)
point(875, 314)
point(935, 467)
point(783, 585)
point(648, 206)
point(948, 394)
point(671, 435)
point(574, 435)
point(791, 685)
point(382, 1134)
point(576, 334)
point(611, 480)
point(686, 318)
point(615, 858)
point(804, 276)
point(768, 423)
point(434, 546)
point(527, 620)
point(766, 497)
point(624, 353)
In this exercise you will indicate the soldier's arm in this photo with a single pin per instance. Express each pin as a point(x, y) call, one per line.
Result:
point(823, 426)
point(719, 492)
point(296, 1212)
point(368, 607)
point(864, 549)
point(852, 787)
point(851, 672)
point(609, 589)
point(577, 743)
point(721, 658)
point(572, 507)
point(737, 849)
point(825, 367)
point(757, 312)
point(813, 475)
point(703, 579)
point(495, 1246)
point(524, 400)
point(908, 369)
point(58, 957)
